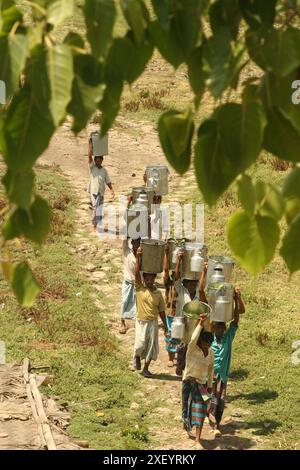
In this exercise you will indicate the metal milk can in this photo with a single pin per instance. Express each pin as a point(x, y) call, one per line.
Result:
point(152, 256)
point(178, 328)
point(158, 179)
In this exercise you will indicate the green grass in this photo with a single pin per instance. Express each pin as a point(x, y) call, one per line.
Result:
point(264, 381)
point(66, 331)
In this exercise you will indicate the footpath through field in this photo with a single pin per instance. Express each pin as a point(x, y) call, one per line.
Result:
point(132, 147)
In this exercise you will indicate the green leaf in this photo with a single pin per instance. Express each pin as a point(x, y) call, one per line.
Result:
point(290, 246)
point(9, 228)
point(291, 192)
point(100, 18)
point(9, 17)
point(110, 105)
point(13, 53)
point(225, 14)
point(24, 285)
point(51, 76)
point(5, 4)
point(175, 133)
point(253, 240)
point(60, 10)
point(60, 74)
point(281, 138)
point(138, 61)
point(196, 75)
point(89, 69)
point(246, 193)
point(274, 49)
point(23, 121)
point(216, 56)
point(186, 24)
point(35, 35)
point(292, 209)
point(228, 144)
point(162, 11)
point(34, 224)
point(276, 92)
point(133, 12)
point(119, 60)
point(269, 201)
point(74, 39)
point(291, 185)
point(167, 43)
point(254, 42)
point(84, 103)
point(258, 13)
point(177, 41)
point(87, 90)
point(19, 187)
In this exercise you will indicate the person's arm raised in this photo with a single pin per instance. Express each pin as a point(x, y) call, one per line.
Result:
point(166, 276)
point(90, 151)
point(137, 273)
point(178, 265)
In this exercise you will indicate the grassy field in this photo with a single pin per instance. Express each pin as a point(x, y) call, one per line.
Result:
point(66, 331)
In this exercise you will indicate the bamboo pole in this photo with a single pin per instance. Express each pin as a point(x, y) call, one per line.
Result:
point(38, 408)
point(26, 365)
point(42, 415)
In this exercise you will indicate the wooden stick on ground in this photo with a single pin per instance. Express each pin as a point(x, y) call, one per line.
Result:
point(26, 366)
point(40, 415)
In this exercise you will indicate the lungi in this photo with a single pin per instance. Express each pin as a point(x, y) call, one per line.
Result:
point(128, 305)
point(194, 409)
point(146, 340)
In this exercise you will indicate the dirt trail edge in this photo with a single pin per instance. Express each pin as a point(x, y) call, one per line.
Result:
point(132, 147)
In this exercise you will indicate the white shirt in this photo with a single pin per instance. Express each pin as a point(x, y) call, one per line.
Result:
point(197, 366)
point(183, 296)
point(98, 179)
point(129, 262)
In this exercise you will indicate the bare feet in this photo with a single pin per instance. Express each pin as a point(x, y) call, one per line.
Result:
point(146, 373)
point(217, 432)
point(137, 363)
point(189, 433)
point(170, 364)
point(122, 329)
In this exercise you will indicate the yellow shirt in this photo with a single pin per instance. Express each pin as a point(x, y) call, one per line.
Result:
point(149, 303)
point(198, 366)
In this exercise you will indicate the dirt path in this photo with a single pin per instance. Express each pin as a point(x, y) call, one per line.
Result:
point(132, 147)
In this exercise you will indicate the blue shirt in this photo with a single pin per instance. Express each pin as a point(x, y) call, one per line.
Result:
point(222, 353)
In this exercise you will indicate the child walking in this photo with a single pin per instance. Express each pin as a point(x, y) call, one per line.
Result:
point(150, 305)
point(170, 299)
point(128, 304)
point(197, 381)
point(99, 177)
point(222, 347)
point(187, 290)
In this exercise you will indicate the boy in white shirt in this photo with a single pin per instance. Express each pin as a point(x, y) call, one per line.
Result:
point(99, 177)
point(128, 304)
